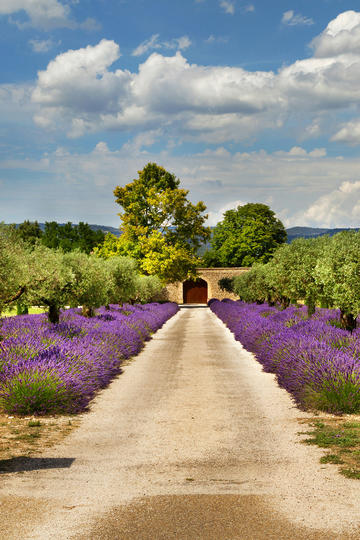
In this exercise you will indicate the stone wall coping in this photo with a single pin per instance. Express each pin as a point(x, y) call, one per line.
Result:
point(216, 268)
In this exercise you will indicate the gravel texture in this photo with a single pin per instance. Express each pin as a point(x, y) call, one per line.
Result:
point(192, 441)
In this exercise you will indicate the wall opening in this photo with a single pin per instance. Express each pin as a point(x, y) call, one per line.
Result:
point(195, 292)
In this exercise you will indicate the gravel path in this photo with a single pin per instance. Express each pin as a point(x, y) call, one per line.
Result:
point(192, 441)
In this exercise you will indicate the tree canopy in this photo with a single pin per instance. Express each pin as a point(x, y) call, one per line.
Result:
point(247, 234)
point(160, 227)
point(69, 237)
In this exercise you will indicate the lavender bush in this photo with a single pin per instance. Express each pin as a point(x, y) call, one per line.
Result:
point(57, 368)
point(313, 359)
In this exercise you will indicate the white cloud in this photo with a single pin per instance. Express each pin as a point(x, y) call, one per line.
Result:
point(349, 133)
point(80, 91)
point(339, 208)
point(250, 8)
point(303, 188)
point(216, 39)
point(289, 18)
point(40, 46)
point(341, 36)
point(228, 6)
point(45, 14)
point(78, 88)
point(218, 215)
point(153, 43)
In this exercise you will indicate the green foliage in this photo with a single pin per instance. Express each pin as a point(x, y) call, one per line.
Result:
point(226, 284)
point(338, 271)
point(70, 237)
point(29, 232)
point(14, 272)
point(247, 234)
point(253, 286)
point(147, 288)
point(161, 228)
point(34, 390)
point(90, 288)
point(123, 279)
point(52, 281)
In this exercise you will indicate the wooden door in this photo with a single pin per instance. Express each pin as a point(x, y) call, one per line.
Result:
point(195, 292)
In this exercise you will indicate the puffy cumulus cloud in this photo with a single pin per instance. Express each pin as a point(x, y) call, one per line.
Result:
point(215, 217)
point(152, 43)
point(81, 91)
point(290, 18)
point(349, 133)
point(78, 88)
point(45, 14)
point(339, 208)
point(341, 36)
point(78, 85)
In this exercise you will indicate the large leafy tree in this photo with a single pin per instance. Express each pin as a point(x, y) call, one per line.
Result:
point(158, 219)
point(247, 234)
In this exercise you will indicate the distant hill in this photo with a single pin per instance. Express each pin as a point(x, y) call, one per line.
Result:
point(292, 232)
point(312, 232)
point(94, 227)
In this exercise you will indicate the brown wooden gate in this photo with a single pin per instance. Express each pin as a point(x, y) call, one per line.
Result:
point(195, 292)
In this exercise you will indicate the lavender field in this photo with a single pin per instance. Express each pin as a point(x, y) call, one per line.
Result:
point(58, 368)
point(313, 359)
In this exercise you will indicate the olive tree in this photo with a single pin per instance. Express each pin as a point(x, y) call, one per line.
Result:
point(338, 273)
point(54, 281)
point(90, 287)
point(14, 267)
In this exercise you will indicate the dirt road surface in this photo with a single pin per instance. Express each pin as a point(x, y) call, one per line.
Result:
point(192, 441)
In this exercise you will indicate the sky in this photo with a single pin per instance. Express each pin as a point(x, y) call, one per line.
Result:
point(243, 100)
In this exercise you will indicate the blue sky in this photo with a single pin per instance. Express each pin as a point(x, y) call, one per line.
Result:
point(245, 101)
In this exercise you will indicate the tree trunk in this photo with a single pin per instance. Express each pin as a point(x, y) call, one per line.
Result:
point(87, 311)
point(284, 302)
point(348, 321)
point(310, 303)
point(54, 313)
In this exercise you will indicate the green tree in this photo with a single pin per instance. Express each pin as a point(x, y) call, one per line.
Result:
point(14, 271)
point(69, 237)
point(90, 287)
point(338, 271)
point(157, 217)
point(54, 281)
point(247, 234)
point(253, 286)
point(123, 275)
point(29, 231)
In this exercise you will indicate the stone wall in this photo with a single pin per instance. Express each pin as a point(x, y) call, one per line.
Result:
point(174, 291)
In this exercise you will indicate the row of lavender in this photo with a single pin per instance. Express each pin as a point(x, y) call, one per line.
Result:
point(57, 368)
point(313, 359)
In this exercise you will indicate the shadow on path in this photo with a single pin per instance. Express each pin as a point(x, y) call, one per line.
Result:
point(23, 463)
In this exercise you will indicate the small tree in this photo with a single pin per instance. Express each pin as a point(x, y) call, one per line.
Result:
point(123, 279)
point(338, 271)
point(54, 281)
point(90, 288)
point(14, 270)
point(147, 287)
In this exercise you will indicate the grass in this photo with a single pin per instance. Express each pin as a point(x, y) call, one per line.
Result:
point(341, 438)
point(29, 437)
point(11, 312)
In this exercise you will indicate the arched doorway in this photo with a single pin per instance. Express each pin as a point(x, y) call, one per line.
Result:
point(195, 292)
